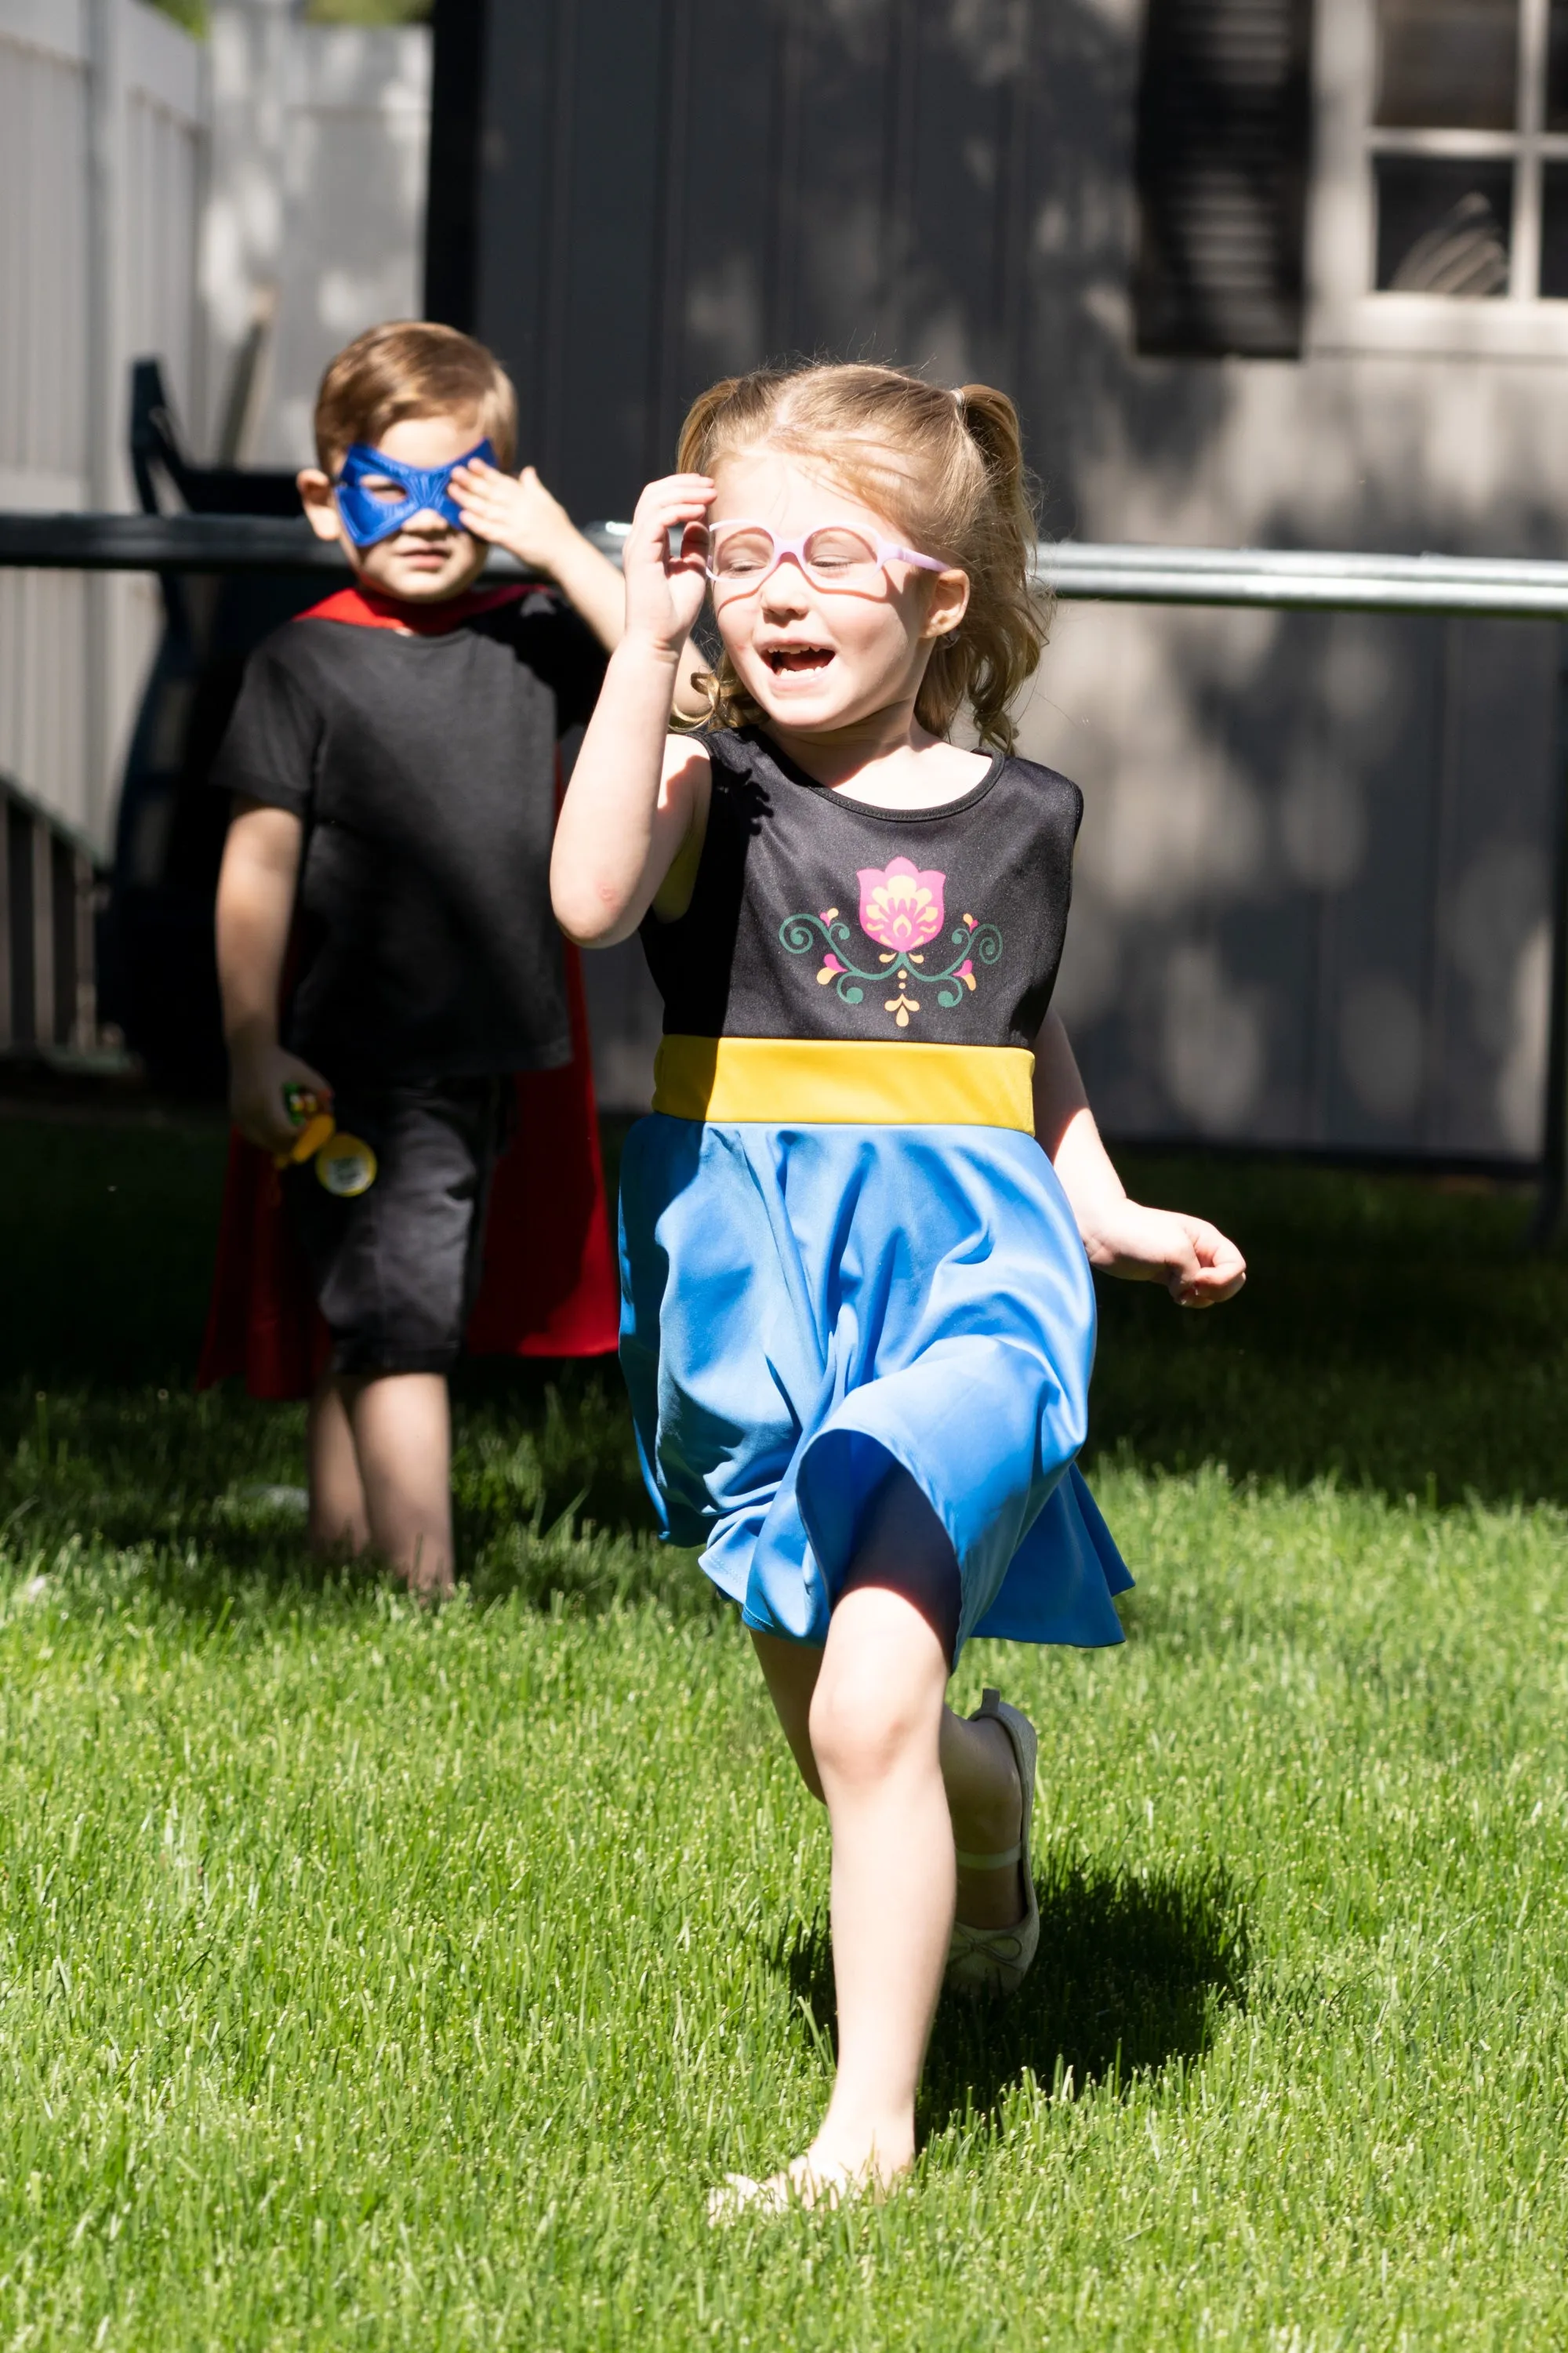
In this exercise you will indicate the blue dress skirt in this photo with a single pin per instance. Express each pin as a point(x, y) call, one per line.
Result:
point(805, 1306)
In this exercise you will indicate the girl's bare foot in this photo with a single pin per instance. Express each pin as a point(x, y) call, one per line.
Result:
point(814, 2180)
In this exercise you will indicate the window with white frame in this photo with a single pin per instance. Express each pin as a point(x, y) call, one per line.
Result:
point(1440, 198)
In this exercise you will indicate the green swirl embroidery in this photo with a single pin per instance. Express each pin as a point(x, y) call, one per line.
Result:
point(971, 941)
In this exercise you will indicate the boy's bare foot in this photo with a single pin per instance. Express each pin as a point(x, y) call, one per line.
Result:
point(429, 1588)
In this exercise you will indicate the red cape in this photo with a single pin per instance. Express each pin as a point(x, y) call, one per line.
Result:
point(550, 1286)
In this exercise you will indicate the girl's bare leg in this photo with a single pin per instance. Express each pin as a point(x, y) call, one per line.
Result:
point(340, 1518)
point(979, 1774)
point(900, 1772)
point(403, 1440)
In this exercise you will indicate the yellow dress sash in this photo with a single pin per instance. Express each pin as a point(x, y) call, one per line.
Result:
point(808, 1082)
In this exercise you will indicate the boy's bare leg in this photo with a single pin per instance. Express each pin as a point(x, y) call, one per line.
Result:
point(402, 1426)
point(340, 1521)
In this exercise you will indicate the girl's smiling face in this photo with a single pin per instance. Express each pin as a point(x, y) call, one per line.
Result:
point(818, 658)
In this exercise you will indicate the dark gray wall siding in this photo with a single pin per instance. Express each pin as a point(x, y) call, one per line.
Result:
point(1340, 942)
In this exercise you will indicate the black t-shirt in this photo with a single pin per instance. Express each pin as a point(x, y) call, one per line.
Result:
point(423, 769)
point(815, 915)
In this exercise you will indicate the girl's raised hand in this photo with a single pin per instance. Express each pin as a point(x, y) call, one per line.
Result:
point(1198, 1266)
point(665, 592)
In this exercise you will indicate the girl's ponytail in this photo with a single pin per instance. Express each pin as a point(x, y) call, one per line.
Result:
point(997, 648)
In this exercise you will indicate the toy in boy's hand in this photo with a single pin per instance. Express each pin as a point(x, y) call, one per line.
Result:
point(307, 1112)
point(345, 1164)
point(377, 495)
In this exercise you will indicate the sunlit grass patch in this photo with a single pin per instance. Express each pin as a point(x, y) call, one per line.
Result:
point(369, 1979)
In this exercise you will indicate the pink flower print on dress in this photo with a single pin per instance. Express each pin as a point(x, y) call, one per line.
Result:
point(901, 904)
point(903, 909)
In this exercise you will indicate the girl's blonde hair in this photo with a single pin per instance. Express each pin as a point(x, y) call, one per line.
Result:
point(947, 468)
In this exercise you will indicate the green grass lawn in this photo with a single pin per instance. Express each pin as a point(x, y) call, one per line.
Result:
point(372, 1981)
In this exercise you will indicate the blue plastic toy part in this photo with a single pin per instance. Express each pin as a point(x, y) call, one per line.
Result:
point(370, 516)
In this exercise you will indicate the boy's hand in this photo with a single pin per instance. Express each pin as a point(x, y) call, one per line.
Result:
point(514, 512)
point(665, 592)
point(1194, 1259)
point(257, 1076)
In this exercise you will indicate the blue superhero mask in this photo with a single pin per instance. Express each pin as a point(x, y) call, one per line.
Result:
point(368, 517)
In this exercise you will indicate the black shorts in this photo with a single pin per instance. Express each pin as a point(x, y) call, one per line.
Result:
point(396, 1270)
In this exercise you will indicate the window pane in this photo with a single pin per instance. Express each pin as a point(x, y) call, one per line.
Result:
point(1554, 232)
point(1557, 68)
point(1443, 227)
point(1448, 64)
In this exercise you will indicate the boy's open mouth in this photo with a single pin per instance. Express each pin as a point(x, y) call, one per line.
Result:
point(798, 657)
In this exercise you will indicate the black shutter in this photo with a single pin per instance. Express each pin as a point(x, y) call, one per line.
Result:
point(1224, 131)
point(456, 138)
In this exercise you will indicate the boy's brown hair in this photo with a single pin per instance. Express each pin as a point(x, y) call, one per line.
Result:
point(412, 367)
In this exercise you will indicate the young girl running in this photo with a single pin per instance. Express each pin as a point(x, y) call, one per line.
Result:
point(858, 1318)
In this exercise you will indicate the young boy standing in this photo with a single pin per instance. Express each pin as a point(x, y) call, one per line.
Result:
point(391, 760)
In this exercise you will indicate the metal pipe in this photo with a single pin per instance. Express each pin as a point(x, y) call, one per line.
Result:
point(193, 542)
point(1298, 580)
point(1309, 582)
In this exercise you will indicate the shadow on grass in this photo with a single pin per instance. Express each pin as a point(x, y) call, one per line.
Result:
point(1393, 1331)
point(194, 1498)
point(1135, 1972)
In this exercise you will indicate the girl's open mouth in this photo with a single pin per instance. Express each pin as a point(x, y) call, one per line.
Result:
point(798, 657)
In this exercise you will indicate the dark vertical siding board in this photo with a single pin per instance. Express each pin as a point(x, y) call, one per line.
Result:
point(954, 245)
point(1493, 885)
point(7, 930)
point(718, 311)
point(456, 131)
point(522, 125)
point(1382, 928)
point(840, 193)
point(19, 896)
point(783, 247)
point(558, 361)
point(65, 977)
point(43, 934)
point(1224, 126)
point(677, 126)
point(601, 445)
point(1271, 940)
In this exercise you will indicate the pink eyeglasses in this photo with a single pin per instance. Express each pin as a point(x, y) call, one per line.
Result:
point(742, 555)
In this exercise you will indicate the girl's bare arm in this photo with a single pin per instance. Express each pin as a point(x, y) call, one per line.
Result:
point(637, 795)
point(1193, 1259)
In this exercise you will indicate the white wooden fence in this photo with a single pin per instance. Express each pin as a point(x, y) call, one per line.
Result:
point(101, 111)
point(158, 196)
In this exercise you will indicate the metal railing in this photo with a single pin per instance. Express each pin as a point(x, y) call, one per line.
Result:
point(1305, 581)
point(1483, 588)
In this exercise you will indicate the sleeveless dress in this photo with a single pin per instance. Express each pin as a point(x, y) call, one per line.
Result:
point(841, 1246)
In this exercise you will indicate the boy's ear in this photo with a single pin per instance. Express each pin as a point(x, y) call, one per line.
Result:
point(321, 507)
